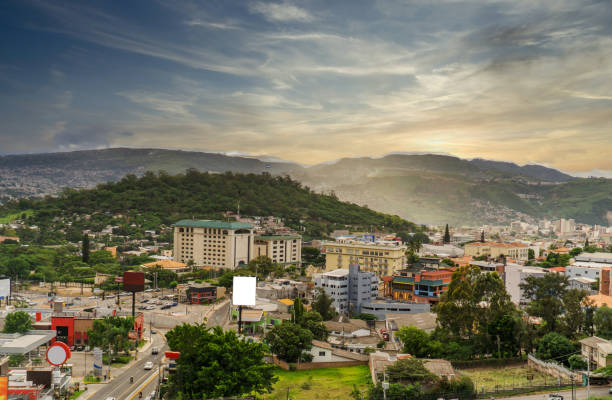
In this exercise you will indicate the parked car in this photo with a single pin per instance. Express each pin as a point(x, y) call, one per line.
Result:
point(554, 397)
point(111, 398)
point(174, 304)
point(144, 300)
point(92, 297)
point(150, 307)
point(166, 306)
point(154, 350)
point(142, 307)
point(110, 296)
point(148, 365)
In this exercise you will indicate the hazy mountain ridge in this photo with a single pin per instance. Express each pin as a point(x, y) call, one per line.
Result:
point(425, 188)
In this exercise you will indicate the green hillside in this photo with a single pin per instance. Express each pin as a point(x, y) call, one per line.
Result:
point(163, 199)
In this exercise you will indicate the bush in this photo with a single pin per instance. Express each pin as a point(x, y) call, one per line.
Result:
point(576, 362)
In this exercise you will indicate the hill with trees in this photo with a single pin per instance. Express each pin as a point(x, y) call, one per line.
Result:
point(161, 199)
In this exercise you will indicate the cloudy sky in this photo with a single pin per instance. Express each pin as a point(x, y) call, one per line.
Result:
point(310, 81)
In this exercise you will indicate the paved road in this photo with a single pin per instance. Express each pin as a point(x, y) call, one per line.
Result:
point(121, 388)
point(581, 394)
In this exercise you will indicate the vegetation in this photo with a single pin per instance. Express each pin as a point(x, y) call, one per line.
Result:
point(556, 347)
point(323, 305)
point(162, 199)
point(17, 322)
point(214, 363)
point(112, 332)
point(603, 322)
point(290, 342)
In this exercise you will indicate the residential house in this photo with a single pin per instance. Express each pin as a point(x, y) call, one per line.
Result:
point(597, 350)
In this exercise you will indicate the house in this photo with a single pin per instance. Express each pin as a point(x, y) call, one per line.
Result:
point(582, 283)
point(425, 321)
point(323, 352)
point(597, 350)
point(421, 287)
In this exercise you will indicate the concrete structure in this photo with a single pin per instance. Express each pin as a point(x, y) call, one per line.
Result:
point(282, 249)
point(583, 271)
point(18, 343)
point(445, 250)
point(382, 258)
point(215, 244)
point(582, 283)
point(348, 288)
point(517, 251)
point(486, 266)
point(71, 327)
point(382, 308)
point(597, 350)
point(515, 275)
point(201, 293)
point(421, 287)
point(379, 362)
point(323, 352)
point(170, 265)
point(425, 321)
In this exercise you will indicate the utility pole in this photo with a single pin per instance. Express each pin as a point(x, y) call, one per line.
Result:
point(589, 376)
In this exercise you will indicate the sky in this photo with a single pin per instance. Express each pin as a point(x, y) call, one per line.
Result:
point(311, 81)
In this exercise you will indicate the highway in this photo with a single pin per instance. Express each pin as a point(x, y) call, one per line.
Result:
point(121, 388)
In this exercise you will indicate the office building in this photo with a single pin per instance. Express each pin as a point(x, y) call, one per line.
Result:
point(381, 258)
point(348, 288)
point(516, 251)
point(282, 249)
point(216, 244)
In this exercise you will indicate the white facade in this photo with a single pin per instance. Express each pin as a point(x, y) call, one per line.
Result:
point(516, 274)
point(348, 288)
point(583, 271)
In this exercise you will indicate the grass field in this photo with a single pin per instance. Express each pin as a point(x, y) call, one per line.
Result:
point(6, 219)
point(505, 377)
point(325, 383)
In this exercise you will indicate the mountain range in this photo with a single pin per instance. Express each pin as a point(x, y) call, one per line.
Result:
point(423, 188)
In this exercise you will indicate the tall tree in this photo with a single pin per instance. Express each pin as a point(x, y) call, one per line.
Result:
point(603, 322)
point(415, 340)
point(85, 249)
point(447, 237)
point(546, 294)
point(298, 311)
point(215, 364)
point(554, 346)
point(290, 342)
point(323, 305)
point(574, 312)
point(586, 242)
point(313, 321)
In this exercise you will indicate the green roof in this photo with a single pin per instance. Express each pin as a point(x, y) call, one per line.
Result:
point(202, 223)
point(278, 237)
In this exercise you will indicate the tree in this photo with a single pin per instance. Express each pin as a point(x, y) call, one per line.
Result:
point(586, 242)
point(574, 313)
point(290, 341)
point(530, 254)
point(215, 364)
point(17, 322)
point(603, 322)
point(546, 294)
point(447, 237)
point(554, 346)
point(410, 371)
point(313, 321)
point(482, 237)
point(101, 257)
point(415, 340)
point(575, 251)
point(112, 332)
point(312, 256)
point(298, 311)
point(323, 305)
point(576, 362)
point(263, 266)
point(85, 249)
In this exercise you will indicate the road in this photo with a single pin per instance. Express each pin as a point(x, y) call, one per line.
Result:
point(121, 388)
point(581, 394)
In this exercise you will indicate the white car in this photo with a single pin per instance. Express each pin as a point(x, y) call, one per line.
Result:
point(148, 365)
point(111, 398)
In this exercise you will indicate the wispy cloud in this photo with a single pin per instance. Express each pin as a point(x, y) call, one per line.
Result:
point(283, 12)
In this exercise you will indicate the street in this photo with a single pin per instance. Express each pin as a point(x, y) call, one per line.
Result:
point(581, 393)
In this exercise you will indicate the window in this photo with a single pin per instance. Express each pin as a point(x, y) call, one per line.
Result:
point(322, 354)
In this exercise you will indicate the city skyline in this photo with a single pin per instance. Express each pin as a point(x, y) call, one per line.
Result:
point(310, 81)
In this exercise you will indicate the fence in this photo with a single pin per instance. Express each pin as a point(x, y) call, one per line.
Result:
point(552, 369)
point(314, 365)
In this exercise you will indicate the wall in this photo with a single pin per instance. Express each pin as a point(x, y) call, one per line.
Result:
point(312, 365)
point(552, 369)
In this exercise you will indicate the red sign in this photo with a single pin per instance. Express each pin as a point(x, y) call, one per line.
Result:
point(58, 353)
point(133, 281)
point(3, 387)
point(173, 355)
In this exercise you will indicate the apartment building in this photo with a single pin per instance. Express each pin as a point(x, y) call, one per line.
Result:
point(216, 244)
point(421, 287)
point(348, 288)
point(381, 258)
point(282, 249)
point(517, 251)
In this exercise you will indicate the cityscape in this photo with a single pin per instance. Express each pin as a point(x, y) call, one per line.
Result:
point(275, 200)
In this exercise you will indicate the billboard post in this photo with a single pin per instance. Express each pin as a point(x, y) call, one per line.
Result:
point(243, 294)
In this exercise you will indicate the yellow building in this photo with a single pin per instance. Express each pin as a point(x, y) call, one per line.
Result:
point(282, 249)
point(517, 251)
point(381, 258)
point(216, 244)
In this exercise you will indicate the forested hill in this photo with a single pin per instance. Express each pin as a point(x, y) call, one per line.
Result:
point(168, 198)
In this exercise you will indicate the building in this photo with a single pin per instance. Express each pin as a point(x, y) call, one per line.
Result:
point(379, 361)
point(517, 251)
point(282, 249)
point(444, 250)
point(486, 266)
point(421, 287)
point(169, 265)
point(583, 271)
point(201, 293)
point(582, 283)
point(215, 244)
point(381, 258)
point(72, 327)
point(516, 274)
point(381, 309)
point(348, 288)
point(323, 353)
point(597, 350)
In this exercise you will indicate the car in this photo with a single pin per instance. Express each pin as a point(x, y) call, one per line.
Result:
point(144, 301)
point(554, 397)
point(77, 298)
point(153, 331)
point(150, 307)
point(148, 290)
point(111, 398)
point(148, 365)
point(166, 306)
point(154, 350)
point(110, 296)
point(174, 304)
point(142, 307)
point(92, 297)
point(610, 391)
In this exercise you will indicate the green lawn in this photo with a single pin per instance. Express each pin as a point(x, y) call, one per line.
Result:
point(76, 394)
point(505, 377)
point(324, 383)
point(11, 217)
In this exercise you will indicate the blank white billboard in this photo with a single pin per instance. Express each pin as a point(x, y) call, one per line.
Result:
point(5, 287)
point(244, 290)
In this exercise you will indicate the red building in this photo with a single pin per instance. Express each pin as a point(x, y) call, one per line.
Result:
point(71, 328)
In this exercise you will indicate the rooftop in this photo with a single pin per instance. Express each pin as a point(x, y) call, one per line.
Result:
point(205, 223)
point(165, 264)
point(277, 237)
point(495, 244)
point(15, 343)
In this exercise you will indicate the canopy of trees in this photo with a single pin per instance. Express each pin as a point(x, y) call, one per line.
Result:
point(290, 342)
point(215, 364)
point(17, 322)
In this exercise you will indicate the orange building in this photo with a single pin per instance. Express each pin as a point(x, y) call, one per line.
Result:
point(421, 287)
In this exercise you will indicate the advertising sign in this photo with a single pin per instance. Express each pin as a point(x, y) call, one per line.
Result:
point(3, 387)
point(58, 353)
point(244, 290)
point(133, 281)
point(5, 288)
point(97, 361)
